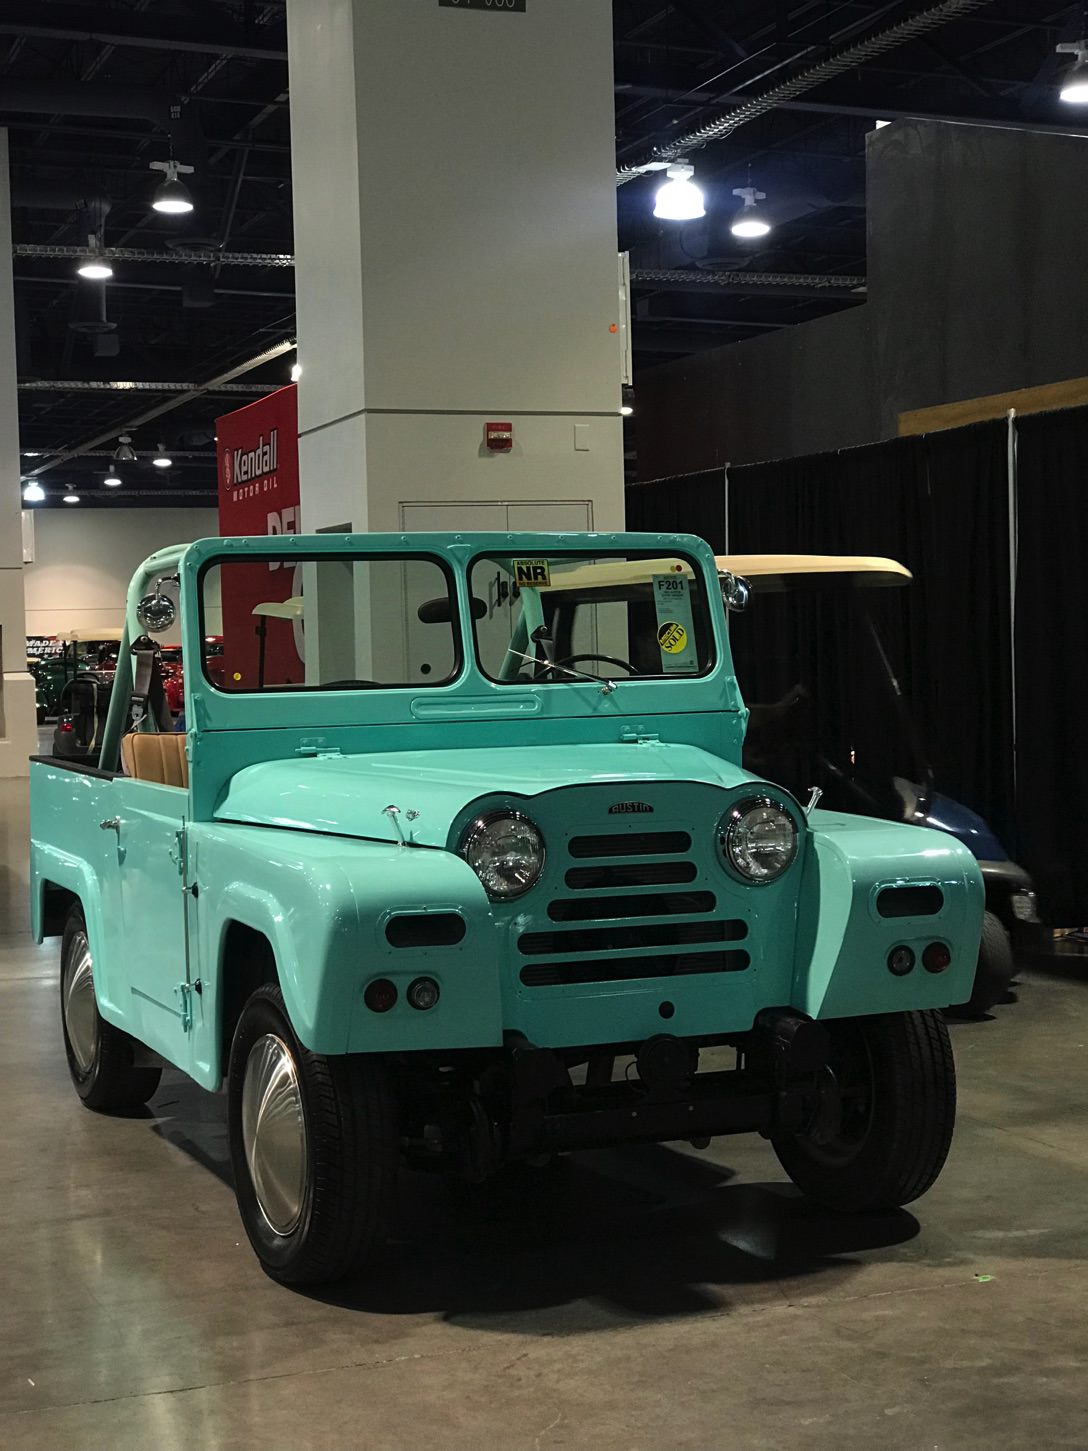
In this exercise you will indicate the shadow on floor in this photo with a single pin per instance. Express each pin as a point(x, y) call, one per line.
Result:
point(594, 1240)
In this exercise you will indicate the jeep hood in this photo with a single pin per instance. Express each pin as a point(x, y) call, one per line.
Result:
point(348, 795)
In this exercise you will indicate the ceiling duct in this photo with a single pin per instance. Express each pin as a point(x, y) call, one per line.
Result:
point(835, 65)
point(82, 98)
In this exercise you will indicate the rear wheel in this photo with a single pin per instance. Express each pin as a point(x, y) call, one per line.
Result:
point(888, 1106)
point(101, 1058)
point(314, 1147)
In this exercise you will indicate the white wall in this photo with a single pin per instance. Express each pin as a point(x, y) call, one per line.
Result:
point(84, 559)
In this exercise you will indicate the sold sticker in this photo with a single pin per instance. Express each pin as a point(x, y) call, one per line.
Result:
point(672, 637)
point(675, 625)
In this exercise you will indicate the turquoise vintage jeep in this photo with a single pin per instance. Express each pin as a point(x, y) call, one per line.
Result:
point(455, 865)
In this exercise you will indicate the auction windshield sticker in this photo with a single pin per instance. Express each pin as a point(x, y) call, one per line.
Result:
point(675, 626)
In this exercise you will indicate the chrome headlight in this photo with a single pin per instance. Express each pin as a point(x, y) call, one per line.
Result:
point(506, 851)
point(758, 839)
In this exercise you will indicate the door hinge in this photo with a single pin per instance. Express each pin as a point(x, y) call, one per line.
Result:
point(316, 746)
point(184, 994)
point(177, 851)
point(638, 737)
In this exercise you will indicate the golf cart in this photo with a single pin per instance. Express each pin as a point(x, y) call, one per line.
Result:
point(87, 663)
point(852, 733)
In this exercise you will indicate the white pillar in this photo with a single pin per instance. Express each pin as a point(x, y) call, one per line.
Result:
point(18, 734)
point(455, 236)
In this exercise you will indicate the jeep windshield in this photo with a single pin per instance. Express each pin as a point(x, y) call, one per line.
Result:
point(565, 618)
point(329, 622)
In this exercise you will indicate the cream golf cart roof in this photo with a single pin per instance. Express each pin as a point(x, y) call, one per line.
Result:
point(78, 634)
point(288, 609)
point(767, 571)
point(876, 571)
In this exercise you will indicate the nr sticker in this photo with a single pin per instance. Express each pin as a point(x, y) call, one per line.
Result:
point(532, 573)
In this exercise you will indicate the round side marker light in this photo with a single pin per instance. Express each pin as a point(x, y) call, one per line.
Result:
point(423, 993)
point(900, 961)
point(380, 995)
point(936, 957)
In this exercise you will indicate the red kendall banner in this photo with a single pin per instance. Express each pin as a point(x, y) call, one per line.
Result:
point(257, 450)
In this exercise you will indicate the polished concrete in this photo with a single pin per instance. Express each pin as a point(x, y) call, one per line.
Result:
point(641, 1300)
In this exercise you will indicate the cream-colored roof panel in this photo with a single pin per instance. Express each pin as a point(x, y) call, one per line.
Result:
point(759, 566)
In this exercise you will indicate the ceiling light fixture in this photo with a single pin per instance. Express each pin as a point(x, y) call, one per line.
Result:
point(1074, 87)
point(33, 493)
point(172, 195)
point(680, 200)
point(94, 265)
point(626, 410)
point(124, 453)
point(162, 459)
point(112, 480)
point(71, 498)
point(750, 221)
point(296, 372)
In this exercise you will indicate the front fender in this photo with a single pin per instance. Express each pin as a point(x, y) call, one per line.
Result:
point(323, 903)
point(844, 942)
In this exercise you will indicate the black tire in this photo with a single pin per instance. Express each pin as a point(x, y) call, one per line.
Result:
point(101, 1058)
point(349, 1153)
point(887, 1142)
point(994, 973)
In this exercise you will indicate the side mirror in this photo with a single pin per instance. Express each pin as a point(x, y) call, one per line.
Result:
point(157, 611)
point(736, 591)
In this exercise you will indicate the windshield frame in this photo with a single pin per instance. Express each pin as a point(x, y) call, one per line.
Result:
point(701, 613)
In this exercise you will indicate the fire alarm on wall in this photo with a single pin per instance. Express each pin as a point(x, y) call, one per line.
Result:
point(499, 437)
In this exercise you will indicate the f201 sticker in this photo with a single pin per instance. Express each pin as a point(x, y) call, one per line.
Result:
point(532, 573)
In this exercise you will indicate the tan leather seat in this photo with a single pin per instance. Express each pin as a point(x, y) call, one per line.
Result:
point(156, 757)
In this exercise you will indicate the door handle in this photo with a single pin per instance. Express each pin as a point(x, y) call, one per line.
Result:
point(111, 823)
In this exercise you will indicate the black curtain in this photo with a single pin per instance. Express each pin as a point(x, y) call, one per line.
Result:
point(685, 504)
point(1051, 676)
point(939, 505)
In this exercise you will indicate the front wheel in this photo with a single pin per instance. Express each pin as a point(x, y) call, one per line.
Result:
point(101, 1058)
point(887, 1108)
point(314, 1148)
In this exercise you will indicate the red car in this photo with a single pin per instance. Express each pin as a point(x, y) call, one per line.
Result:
point(173, 677)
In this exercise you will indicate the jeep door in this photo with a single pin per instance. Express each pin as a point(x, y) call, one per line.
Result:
point(151, 862)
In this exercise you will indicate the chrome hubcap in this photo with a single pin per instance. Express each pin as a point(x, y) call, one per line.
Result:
point(80, 1012)
point(274, 1132)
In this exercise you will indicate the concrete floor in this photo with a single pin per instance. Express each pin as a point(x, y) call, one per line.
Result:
point(649, 1299)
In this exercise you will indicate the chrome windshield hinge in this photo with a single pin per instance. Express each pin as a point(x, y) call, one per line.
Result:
point(637, 737)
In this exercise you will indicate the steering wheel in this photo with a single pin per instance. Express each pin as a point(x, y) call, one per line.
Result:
point(572, 660)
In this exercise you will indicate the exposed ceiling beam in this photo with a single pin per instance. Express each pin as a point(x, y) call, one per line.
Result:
point(209, 257)
point(145, 31)
point(104, 385)
point(179, 400)
point(872, 110)
point(772, 284)
point(834, 65)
